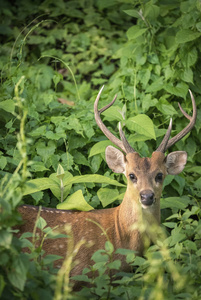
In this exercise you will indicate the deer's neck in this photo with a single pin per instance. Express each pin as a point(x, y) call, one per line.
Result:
point(134, 222)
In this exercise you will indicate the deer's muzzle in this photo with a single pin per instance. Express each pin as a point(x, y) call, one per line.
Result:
point(147, 197)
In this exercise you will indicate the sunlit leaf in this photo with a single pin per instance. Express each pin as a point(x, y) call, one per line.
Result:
point(75, 201)
point(141, 124)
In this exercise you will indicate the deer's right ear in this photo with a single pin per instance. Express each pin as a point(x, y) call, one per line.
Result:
point(115, 159)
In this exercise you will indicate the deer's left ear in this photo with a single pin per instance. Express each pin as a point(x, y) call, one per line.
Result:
point(175, 162)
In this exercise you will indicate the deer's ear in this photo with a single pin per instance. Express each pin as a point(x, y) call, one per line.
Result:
point(115, 159)
point(175, 162)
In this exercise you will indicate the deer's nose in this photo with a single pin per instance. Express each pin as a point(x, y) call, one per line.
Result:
point(147, 197)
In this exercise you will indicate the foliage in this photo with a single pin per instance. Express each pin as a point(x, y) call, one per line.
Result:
point(54, 58)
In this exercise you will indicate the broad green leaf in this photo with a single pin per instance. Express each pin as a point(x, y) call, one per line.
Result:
point(179, 90)
point(3, 162)
point(113, 113)
point(45, 151)
point(148, 101)
point(40, 131)
point(109, 247)
point(165, 107)
point(41, 223)
point(197, 184)
point(190, 245)
point(80, 159)
point(135, 31)
point(75, 201)
point(133, 13)
point(187, 75)
point(56, 190)
point(38, 166)
point(142, 124)
point(50, 258)
point(170, 224)
point(186, 35)
point(107, 196)
point(151, 11)
point(144, 76)
point(37, 196)
point(18, 276)
point(194, 169)
point(175, 202)
point(55, 136)
point(5, 238)
point(39, 184)
point(176, 236)
point(155, 86)
point(93, 178)
point(99, 147)
point(104, 195)
point(8, 105)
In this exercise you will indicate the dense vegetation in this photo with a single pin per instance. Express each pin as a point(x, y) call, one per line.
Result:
point(54, 57)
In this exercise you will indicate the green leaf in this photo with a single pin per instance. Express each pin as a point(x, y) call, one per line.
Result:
point(133, 13)
point(45, 151)
point(3, 162)
point(93, 178)
point(39, 184)
point(170, 224)
point(50, 258)
point(176, 236)
point(18, 275)
point(148, 101)
point(113, 113)
point(60, 172)
point(5, 239)
point(8, 105)
point(155, 86)
point(151, 11)
point(75, 201)
point(40, 131)
point(197, 184)
point(142, 124)
point(135, 31)
point(107, 196)
point(187, 75)
point(38, 166)
point(99, 147)
point(56, 189)
point(80, 159)
point(2, 284)
point(109, 247)
point(41, 223)
point(175, 202)
point(114, 265)
point(165, 107)
point(186, 35)
point(179, 90)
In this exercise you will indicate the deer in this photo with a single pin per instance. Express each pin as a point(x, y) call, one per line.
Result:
point(140, 205)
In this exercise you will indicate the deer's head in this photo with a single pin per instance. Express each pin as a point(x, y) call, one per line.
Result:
point(145, 175)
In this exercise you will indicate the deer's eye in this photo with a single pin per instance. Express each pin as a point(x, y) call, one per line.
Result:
point(133, 177)
point(159, 177)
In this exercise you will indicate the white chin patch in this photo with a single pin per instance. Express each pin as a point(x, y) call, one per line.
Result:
point(147, 206)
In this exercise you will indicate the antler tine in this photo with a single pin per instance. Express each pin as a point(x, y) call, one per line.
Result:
point(188, 128)
point(163, 144)
point(101, 125)
point(127, 146)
